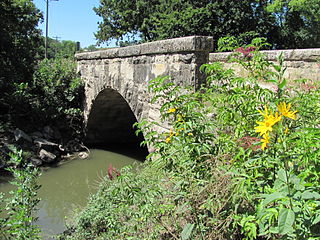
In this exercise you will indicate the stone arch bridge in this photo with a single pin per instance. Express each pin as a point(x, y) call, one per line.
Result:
point(116, 80)
point(116, 83)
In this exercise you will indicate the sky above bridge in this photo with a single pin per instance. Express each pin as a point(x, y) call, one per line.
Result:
point(71, 20)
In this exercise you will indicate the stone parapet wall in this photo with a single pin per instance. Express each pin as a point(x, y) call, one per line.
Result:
point(299, 63)
point(177, 45)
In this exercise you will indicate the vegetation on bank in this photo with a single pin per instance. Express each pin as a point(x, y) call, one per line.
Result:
point(20, 204)
point(38, 93)
point(240, 162)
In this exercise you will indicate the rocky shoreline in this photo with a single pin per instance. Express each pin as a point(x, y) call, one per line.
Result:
point(41, 148)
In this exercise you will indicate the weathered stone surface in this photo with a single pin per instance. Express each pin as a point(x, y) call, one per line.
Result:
point(36, 162)
point(46, 156)
point(299, 63)
point(177, 45)
point(43, 144)
point(40, 142)
point(83, 155)
point(19, 134)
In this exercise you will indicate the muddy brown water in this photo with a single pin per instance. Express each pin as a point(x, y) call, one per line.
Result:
point(65, 189)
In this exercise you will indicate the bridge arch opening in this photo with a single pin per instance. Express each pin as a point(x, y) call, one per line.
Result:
point(110, 123)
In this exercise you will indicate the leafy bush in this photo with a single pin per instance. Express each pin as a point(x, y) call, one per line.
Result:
point(241, 161)
point(21, 203)
point(56, 93)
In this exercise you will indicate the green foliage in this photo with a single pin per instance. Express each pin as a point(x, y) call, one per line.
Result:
point(298, 22)
point(19, 41)
point(20, 205)
point(56, 92)
point(215, 174)
point(40, 92)
point(53, 97)
point(286, 24)
point(58, 49)
point(159, 19)
point(89, 48)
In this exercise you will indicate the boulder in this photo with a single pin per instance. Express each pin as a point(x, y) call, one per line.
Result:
point(46, 156)
point(48, 132)
point(47, 145)
point(36, 161)
point(19, 134)
point(36, 135)
point(83, 155)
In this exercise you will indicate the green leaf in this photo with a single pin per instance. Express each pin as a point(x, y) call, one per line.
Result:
point(277, 67)
point(272, 197)
point(310, 195)
point(272, 80)
point(286, 220)
point(316, 220)
point(282, 84)
point(282, 175)
point(187, 230)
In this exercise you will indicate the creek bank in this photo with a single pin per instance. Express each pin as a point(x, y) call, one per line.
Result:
point(46, 146)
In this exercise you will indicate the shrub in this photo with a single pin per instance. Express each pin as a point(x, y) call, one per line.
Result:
point(20, 205)
point(56, 94)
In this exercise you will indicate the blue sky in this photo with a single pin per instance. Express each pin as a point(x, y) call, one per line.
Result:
point(71, 20)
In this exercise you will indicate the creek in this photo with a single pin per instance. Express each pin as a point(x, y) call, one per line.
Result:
point(65, 188)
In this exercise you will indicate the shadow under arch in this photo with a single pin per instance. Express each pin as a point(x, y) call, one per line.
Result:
point(110, 124)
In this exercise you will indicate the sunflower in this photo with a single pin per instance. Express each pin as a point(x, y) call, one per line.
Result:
point(269, 120)
point(265, 140)
point(171, 110)
point(284, 109)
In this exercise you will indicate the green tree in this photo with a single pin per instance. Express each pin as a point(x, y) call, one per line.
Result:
point(19, 43)
point(59, 49)
point(298, 22)
point(56, 96)
point(90, 48)
point(285, 23)
point(160, 19)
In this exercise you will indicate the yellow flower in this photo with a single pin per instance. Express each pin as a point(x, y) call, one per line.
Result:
point(265, 140)
point(190, 134)
point(172, 110)
point(269, 120)
point(171, 133)
point(179, 118)
point(284, 109)
point(168, 139)
point(265, 113)
point(286, 130)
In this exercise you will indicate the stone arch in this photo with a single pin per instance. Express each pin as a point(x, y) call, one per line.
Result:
point(110, 121)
